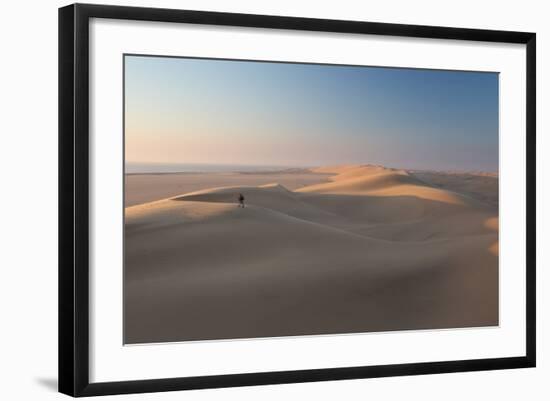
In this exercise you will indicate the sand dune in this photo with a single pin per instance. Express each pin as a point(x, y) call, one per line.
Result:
point(142, 188)
point(371, 249)
point(481, 186)
point(377, 181)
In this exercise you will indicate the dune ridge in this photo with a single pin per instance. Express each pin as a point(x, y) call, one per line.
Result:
point(370, 249)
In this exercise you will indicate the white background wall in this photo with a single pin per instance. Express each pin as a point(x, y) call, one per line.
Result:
point(28, 200)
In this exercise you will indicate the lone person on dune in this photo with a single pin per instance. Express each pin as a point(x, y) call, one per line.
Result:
point(241, 200)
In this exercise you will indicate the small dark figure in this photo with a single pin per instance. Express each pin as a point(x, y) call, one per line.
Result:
point(241, 200)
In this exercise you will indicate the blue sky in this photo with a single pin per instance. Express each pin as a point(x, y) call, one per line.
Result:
point(181, 110)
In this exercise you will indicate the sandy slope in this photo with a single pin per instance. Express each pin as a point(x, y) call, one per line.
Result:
point(482, 186)
point(372, 249)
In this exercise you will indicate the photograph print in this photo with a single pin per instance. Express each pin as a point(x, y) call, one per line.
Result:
point(269, 199)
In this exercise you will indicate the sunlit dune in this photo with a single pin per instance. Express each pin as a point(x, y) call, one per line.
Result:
point(357, 180)
point(379, 181)
point(338, 169)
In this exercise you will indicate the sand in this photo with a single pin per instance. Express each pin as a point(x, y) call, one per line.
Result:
point(142, 188)
point(343, 249)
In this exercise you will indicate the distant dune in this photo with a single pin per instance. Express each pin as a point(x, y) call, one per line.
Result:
point(358, 249)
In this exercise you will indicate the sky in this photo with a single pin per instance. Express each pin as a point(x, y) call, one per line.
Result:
point(182, 110)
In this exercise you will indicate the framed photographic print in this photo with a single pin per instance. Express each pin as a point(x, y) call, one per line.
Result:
point(249, 199)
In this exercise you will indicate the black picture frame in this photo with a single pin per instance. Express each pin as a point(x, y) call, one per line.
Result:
point(74, 201)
